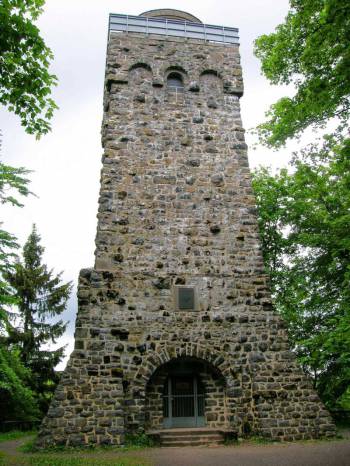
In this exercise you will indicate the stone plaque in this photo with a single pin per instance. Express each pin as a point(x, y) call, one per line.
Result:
point(186, 298)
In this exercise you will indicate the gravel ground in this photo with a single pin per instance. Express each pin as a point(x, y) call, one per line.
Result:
point(335, 453)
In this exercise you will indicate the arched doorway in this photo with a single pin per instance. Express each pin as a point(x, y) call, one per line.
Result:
point(186, 392)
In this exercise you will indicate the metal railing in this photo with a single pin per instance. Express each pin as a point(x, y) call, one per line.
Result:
point(178, 93)
point(183, 405)
point(170, 27)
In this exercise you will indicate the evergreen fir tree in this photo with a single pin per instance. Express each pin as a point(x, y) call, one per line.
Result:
point(41, 296)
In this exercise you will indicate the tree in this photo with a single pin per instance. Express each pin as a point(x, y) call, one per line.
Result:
point(311, 50)
point(304, 219)
point(304, 213)
point(12, 180)
point(17, 400)
point(25, 82)
point(41, 297)
point(25, 87)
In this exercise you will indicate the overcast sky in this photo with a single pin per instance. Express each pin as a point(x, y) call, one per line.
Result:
point(66, 163)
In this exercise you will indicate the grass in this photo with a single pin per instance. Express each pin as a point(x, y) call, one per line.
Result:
point(138, 440)
point(61, 456)
point(15, 434)
point(132, 443)
point(71, 460)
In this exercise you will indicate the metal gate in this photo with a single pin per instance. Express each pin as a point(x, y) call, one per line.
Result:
point(183, 402)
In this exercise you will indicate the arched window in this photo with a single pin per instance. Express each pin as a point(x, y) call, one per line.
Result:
point(140, 74)
point(175, 82)
point(211, 82)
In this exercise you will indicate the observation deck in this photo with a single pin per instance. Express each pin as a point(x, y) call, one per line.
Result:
point(172, 23)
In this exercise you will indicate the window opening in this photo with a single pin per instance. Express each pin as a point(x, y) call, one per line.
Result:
point(175, 82)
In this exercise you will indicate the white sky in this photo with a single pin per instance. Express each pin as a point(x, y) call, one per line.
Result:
point(66, 163)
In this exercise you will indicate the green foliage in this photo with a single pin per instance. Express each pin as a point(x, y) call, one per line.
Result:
point(7, 245)
point(51, 460)
point(88, 454)
point(15, 434)
point(17, 401)
point(12, 180)
point(25, 82)
point(40, 297)
point(138, 440)
point(305, 214)
point(25, 87)
point(304, 219)
point(72, 460)
point(311, 50)
point(344, 402)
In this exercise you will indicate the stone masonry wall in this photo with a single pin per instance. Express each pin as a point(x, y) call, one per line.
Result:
point(176, 207)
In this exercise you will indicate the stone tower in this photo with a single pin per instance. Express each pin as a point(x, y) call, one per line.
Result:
point(175, 326)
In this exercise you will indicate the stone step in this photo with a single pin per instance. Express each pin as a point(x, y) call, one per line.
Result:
point(192, 443)
point(190, 437)
point(199, 440)
point(194, 431)
point(189, 431)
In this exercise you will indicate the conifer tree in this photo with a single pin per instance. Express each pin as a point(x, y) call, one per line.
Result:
point(41, 297)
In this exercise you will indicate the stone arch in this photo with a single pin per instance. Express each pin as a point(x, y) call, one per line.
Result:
point(140, 65)
point(164, 354)
point(152, 360)
point(140, 76)
point(211, 82)
point(210, 71)
point(177, 68)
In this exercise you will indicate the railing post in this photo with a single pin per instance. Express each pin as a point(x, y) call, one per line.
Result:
point(170, 405)
point(195, 401)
